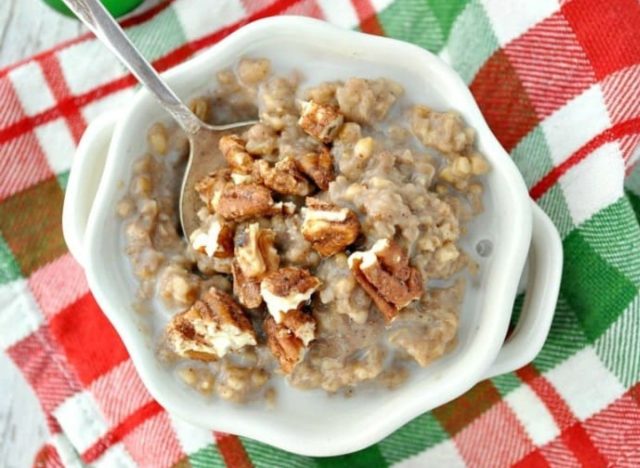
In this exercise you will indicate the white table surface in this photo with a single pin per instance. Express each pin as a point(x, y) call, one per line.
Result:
point(29, 26)
point(26, 27)
point(22, 426)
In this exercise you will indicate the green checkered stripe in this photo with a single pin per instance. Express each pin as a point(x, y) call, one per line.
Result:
point(538, 415)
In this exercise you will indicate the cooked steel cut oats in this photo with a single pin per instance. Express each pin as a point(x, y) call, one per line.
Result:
point(319, 241)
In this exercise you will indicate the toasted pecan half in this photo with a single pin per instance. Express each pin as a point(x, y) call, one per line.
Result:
point(212, 327)
point(243, 201)
point(288, 340)
point(214, 238)
point(320, 121)
point(255, 256)
point(302, 325)
point(255, 251)
point(385, 274)
point(284, 177)
point(286, 289)
point(329, 228)
point(234, 150)
point(210, 187)
point(246, 289)
point(318, 166)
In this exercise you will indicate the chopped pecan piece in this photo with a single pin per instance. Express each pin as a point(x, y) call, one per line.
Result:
point(284, 345)
point(212, 327)
point(320, 121)
point(288, 340)
point(238, 202)
point(255, 252)
point(318, 167)
point(234, 150)
point(301, 324)
point(385, 274)
point(284, 208)
point(286, 289)
point(246, 289)
point(237, 178)
point(284, 177)
point(329, 228)
point(255, 256)
point(210, 188)
point(214, 238)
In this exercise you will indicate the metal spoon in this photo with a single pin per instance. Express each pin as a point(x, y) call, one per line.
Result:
point(203, 138)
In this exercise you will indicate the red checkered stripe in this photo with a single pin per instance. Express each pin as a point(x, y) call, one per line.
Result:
point(66, 374)
point(586, 62)
point(574, 443)
point(533, 425)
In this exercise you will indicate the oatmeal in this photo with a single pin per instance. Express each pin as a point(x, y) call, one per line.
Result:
point(319, 240)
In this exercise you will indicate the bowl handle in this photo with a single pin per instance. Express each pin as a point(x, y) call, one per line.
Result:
point(84, 178)
point(542, 286)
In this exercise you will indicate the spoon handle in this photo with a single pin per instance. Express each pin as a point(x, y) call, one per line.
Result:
point(101, 23)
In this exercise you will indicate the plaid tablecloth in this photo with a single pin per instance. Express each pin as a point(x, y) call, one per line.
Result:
point(559, 83)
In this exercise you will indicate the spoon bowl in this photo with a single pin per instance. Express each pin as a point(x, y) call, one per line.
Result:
point(204, 157)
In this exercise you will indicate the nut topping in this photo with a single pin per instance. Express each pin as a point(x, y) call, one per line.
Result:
point(313, 235)
point(286, 289)
point(255, 256)
point(318, 167)
point(214, 238)
point(320, 121)
point(238, 178)
point(239, 202)
point(255, 252)
point(288, 340)
point(246, 289)
point(234, 151)
point(212, 327)
point(284, 177)
point(329, 228)
point(385, 274)
point(210, 188)
point(284, 208)
point(301, 324)
point(284, 345)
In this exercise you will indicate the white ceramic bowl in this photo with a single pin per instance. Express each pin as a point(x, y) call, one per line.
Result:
point(311, 422)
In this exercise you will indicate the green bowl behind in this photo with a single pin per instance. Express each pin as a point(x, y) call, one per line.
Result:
point(115, 7)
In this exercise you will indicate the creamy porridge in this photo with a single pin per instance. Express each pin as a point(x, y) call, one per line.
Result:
point(320, 239)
